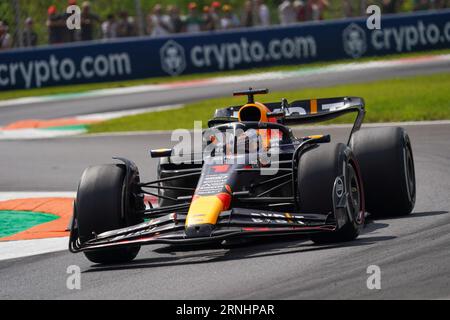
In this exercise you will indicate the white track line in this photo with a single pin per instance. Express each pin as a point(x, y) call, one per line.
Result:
point(87, 94)
point(4, 196)
point(25, 248)
point(123, 113)
point(30, 134)
point(36, 133)
point(309, 127)
point(334, 68)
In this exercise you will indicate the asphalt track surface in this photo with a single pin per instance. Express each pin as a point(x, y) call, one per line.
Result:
point(411, 251)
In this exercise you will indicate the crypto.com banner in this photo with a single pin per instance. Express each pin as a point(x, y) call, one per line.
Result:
point(220, 51)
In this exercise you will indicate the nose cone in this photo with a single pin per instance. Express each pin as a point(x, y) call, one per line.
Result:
point(204, 212)
point(212, 196)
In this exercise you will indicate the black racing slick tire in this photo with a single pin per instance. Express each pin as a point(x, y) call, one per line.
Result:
point(99, 205)
point(387, 165)
point(317, 173)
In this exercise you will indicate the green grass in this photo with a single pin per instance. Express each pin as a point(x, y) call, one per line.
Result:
point(404, 99)
point(62, 90)
point(12, 222)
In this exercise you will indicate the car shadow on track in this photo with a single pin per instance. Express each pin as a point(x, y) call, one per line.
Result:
point(256, 249)
point(416, 215)
point(184, 255)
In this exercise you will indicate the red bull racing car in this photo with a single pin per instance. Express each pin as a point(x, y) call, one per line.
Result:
point(252, 178)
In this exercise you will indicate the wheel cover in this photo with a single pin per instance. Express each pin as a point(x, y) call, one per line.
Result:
point(354, 194)
point(410, 173)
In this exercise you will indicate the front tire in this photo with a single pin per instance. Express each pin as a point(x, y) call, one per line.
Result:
point(387, 166)
point(317, 173)
point(100, 207)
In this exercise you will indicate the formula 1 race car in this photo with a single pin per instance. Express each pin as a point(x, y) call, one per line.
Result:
point(251, 178)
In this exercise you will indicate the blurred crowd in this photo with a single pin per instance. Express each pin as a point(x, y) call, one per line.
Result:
point(171, 19)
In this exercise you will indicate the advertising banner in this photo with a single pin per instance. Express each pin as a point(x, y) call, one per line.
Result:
point(139, 58)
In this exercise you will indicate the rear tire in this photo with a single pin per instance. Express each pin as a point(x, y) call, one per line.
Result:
point(387, 166)
point(317, 173)
point(99, 205)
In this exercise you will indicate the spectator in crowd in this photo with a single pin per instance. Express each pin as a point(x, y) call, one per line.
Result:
point(300, 10)
point(248, 18)
point(347, 9)
point(5, 37)
point(88, 22)
point(390, 6)
point(363, 5)
point(215, 13)
point(132, 27)
point(126, 26)
point(212, 17)
point(262, 13)
point(109, 27)
point(422, 5)
point(287, 13)
point(29, 36)
point(441, 4)
point(175, 20)
point(229, 19)
point(56, 26)
point(193, 22)
point(158, 24)
point(315, 9)
point(208, 22)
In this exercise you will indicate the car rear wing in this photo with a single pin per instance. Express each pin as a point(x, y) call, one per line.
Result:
point(302, 111)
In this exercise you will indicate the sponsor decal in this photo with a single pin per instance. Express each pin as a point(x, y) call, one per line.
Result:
point(221, 168)
point(276, 218)
point(173, 60)
point(38, 73)
point(212, 184)
point(230, 55)
point(339, 187)
point(333, 106)
point(355, 42)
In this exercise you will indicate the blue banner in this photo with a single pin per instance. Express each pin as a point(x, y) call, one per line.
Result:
point(139, 58)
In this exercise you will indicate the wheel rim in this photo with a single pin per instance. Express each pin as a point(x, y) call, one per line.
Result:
point(410, 173)
point(354, 194)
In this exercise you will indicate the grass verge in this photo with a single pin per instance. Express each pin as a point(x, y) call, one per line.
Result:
point(404, 99)
point(62, 90)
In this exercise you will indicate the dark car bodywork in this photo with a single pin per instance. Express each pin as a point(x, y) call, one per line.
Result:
point(241, 202)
